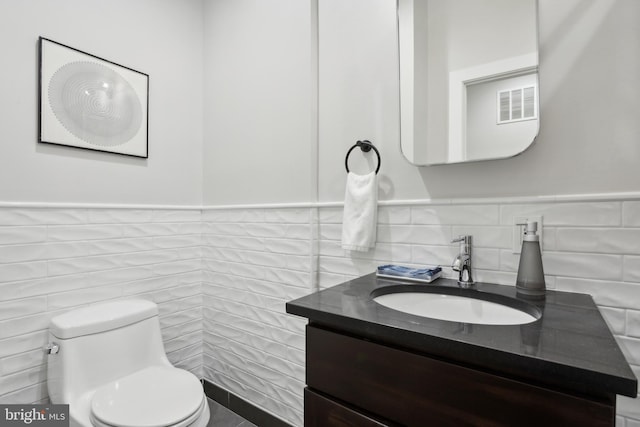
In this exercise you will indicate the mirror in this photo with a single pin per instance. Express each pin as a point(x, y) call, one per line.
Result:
point(468, 79)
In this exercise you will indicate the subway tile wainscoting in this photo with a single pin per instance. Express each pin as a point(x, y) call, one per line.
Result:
point(222, 277)
point(254, 261)
point(52, 260)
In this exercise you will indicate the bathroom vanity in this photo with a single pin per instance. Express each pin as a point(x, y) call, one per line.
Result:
point(369, 365)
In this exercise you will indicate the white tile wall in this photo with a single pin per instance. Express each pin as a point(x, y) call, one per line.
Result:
point(590, 247)
point(254, 261)
point(221, 278)
point(53, 260)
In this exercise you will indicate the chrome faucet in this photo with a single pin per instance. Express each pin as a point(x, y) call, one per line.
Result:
point(462, 263)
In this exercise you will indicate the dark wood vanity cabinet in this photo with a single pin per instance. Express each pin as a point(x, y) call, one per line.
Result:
point(355, 382)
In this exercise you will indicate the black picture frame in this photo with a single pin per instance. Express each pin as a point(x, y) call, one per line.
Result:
point(91, 103)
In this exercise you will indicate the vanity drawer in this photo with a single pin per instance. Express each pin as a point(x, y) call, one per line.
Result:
point(416, 390)
point(320, 411)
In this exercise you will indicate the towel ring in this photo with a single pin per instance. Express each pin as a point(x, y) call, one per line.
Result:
point(365, 146)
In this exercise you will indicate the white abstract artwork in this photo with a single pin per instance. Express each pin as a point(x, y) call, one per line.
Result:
point(91, 103)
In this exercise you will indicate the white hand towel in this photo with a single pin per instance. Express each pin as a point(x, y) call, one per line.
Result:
point(360, 212)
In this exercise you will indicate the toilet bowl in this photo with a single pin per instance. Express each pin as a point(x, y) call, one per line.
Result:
point(108, 363)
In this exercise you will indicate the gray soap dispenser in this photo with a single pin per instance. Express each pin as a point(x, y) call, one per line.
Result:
point(530, 282)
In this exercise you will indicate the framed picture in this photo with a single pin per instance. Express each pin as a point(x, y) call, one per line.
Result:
point(91, 103)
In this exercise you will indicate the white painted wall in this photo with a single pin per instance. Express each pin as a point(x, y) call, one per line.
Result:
point(162, 38)
point(258, 101)
point(358, 96)
point(589, 92)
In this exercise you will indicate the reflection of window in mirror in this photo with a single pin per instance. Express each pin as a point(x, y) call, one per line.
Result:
point(501, 113)
point(515, 105)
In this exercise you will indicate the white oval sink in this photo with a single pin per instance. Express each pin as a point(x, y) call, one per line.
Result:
point(454, 308)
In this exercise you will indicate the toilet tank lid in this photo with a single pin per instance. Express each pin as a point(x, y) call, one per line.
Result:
point(101, 317)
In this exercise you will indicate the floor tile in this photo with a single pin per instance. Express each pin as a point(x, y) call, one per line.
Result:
point(223, 417)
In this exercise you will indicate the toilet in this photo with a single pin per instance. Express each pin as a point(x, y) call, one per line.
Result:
point(107, 361)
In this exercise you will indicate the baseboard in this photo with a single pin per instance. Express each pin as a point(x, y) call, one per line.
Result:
point(245, 409)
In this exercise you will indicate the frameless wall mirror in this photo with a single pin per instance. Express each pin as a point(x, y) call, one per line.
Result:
point(468, 79)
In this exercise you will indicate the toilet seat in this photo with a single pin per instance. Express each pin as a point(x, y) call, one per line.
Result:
point(157, 396)
point(192, 420)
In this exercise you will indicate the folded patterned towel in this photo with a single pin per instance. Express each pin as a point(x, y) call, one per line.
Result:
point(418, 274)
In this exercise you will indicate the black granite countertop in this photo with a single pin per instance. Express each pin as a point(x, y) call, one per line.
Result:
point(569, 347)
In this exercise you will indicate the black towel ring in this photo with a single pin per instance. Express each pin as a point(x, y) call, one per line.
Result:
point(365, 146)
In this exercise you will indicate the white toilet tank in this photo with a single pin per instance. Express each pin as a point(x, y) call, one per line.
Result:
point(101, 343)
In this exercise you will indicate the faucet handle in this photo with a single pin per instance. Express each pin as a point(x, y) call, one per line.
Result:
point(463, 238)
